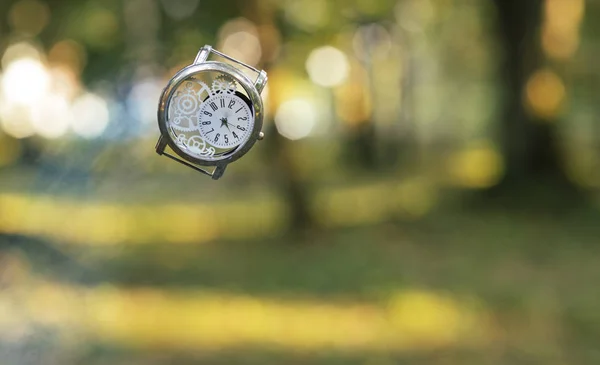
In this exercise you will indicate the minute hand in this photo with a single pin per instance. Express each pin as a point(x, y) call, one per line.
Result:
point(225, 123)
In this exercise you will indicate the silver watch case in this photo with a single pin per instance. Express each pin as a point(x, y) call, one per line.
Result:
point(253, 90)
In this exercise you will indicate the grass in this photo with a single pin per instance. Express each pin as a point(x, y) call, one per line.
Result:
point(530, 283)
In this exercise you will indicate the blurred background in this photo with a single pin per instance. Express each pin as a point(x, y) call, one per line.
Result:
point(427, 191)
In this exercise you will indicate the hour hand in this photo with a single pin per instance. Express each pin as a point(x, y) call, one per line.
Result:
point(224, 123)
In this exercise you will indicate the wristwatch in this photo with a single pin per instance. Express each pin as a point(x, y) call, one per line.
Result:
point(210, 113)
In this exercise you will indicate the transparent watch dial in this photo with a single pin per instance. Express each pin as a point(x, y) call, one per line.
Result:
point(209, 116)
point(224, 120)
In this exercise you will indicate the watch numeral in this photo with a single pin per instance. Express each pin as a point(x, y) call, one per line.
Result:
point(243, 118)
point(241, 128)
point(239, 110)
point(226, 139)
point(210, 131)
point(217, 137)
point(235, 135)
point(208, 113)
point(222, 103)
point(214, 106)
point(231, 104)
point(206, 123)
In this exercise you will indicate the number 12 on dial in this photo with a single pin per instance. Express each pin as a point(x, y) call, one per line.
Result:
point(225, 120)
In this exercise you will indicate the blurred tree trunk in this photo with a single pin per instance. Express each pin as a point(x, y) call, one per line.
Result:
point(278, 148)
point(362, 140)
point(530, 145)
point(361, 146)
point(293, 187)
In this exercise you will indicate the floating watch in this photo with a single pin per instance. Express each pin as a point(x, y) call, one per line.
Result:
point(210, 113)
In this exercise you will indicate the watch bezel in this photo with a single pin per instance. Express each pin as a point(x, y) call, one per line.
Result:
point(248, 86)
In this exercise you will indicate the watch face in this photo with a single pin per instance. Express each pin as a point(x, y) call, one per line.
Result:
point(209, 116)
point(225, 120)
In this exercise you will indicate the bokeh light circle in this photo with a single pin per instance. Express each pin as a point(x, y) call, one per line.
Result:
point(295, 119)
point(327, 66)
point(25, 81)
point(89, 116)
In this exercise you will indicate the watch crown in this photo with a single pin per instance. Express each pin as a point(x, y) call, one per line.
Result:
point(261, 136)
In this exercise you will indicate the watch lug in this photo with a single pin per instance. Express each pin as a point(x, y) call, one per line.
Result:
point(161, 145)
point(202, 54)
point(219, 171)
point(261, 81)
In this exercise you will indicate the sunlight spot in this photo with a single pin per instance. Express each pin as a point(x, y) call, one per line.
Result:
point(89, 116)
point(25, 81)
point(245, 45)
point(144, 93)
point(70, 54)
point(110, 224)
point(185, 319)
point(545, 94)
point(426, 319)
point(50, 117)
point(296, 118)
point(238, 38)
point(16, 120)
point(64, 82)
point(561, 27)
point(480, 166)
point(353, 98)
point(564, 14)
point(285, 85)
point(560, 45)
point(270, 39)
point(370, 39)
point(29, 16)
point(18, 51)
point(327, 66)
